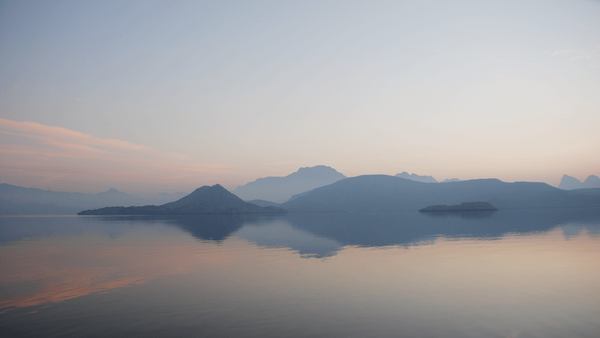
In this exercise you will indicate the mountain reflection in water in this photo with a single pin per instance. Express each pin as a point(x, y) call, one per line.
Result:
point(323, 234)
point(514, 272)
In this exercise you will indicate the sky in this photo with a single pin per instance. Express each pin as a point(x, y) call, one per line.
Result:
point(166, 96)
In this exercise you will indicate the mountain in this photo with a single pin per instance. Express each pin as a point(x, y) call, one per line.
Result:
point(204, 200)
point(592, 181)
point(568, 182)
point(15, 200)
point(424, 179)
point(417, 178)
point(387, 193)
point(281, 189)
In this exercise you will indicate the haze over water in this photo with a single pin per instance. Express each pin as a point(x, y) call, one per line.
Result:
point(276, 276)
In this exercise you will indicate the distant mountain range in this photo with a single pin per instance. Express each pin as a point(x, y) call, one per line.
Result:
point(568, 183)
point(15, 200)
point(417, 178)
point(424, 179)
point(281, 189)
point(362, 193)
point(204, 200)
point(386, 193)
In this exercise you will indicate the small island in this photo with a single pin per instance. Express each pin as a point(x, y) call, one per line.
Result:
point(467, 206)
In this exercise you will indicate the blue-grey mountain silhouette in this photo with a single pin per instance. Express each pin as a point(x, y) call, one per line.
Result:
point(417, 178)
point(592, 181)
point(424, 178)
point(568, 183)
point(204, 200)
point(387, 193)
point(281, 189)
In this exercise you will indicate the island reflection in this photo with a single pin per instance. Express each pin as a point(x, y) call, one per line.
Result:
point(242, 260)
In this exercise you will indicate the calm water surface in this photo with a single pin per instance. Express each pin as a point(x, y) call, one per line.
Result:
point(527, 273)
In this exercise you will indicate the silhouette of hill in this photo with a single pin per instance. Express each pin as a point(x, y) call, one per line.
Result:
point(15, 200)
point(592, 181)
point(281, 189)
point(204, 200)
point(387, 193)
point(424, 179)
point(568, 182)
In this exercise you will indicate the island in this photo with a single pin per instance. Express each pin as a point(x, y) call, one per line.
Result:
point(467, 206)
point(204, 200)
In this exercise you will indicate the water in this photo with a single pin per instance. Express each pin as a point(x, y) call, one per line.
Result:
point(527, 273)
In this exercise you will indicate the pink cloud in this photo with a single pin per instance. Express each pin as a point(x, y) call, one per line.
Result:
point(40, 154)
point(33, 129)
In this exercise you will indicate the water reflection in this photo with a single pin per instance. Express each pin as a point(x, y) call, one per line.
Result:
point(212, 227)
point(247, 276)
point(322, 234)
point(62, 258)
point(280, 233)
point(411, 228)
point(477, 214)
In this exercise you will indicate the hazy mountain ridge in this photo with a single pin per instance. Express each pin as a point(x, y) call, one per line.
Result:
point(387, 193)
point(15, 200)
point(204, 200)
point(424, 178)
point(281, 189)
point(362, 193)
point(417, 178)
point(568, 182)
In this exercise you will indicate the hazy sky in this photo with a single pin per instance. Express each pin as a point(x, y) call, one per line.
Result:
point(149, 96)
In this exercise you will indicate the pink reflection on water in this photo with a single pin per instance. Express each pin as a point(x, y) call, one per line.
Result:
point(70, 267)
